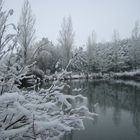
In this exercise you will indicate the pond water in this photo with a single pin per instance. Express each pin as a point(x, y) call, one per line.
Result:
point(118, 106)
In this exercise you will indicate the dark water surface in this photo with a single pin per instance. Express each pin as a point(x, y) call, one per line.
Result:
point(118, 108)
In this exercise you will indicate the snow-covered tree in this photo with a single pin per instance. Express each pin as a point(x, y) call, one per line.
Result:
point(103, 58)
point(136, 31)
point(5, 37)
point(26, 29)
point(115, 47)
point(8, 42)
point(91, 52)
point(66, 39)
point(79, 63)
point(46, 55)
point(135, 46)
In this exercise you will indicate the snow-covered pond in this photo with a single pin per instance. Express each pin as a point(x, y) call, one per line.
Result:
point(118, 106)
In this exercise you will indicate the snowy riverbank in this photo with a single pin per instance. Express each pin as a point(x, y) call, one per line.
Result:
point(133, 75)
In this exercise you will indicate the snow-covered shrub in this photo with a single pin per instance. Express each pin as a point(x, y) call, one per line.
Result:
point(45, 115)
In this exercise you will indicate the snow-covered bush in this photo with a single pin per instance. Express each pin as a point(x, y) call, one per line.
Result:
point(46, 114)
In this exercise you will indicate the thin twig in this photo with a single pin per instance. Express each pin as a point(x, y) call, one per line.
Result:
point(15, 122)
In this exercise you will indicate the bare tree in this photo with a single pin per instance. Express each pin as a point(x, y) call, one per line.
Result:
point(91, 51)
point(115, 47)
point(135, 46)
point(66, 39)
point(136, 31)
point(27, 31)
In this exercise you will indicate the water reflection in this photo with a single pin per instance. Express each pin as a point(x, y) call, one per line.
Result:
point(118, 108)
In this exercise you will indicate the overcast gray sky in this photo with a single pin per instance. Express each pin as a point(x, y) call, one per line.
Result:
point(103, 16)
